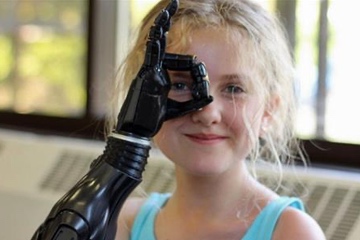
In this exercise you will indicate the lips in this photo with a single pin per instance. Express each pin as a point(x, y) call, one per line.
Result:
point(205, 138)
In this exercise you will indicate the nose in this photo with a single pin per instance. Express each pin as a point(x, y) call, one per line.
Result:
point(208, 115)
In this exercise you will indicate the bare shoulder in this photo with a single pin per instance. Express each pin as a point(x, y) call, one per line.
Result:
point(295, 224)
point(127, 216)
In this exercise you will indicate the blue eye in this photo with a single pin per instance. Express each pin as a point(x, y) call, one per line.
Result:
point(179, 86)
point(180, 92)
point(233, 89)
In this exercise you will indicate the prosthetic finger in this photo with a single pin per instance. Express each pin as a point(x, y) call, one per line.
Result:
point(155, 47)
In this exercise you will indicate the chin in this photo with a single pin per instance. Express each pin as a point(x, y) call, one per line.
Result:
point(205, 167)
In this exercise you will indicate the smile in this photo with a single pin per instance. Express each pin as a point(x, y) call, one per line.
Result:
point(205, 138)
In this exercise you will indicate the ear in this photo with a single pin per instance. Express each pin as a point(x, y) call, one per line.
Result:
point(269, 114)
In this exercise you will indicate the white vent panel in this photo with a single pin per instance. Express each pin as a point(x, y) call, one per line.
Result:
point(1, 146)
point(69, 168)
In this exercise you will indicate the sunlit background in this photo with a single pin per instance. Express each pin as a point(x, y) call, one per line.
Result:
point(43, 61)
point(341, 113)
point(43, 50)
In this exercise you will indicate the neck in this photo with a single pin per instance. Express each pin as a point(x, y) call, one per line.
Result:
point(212, 207)
point(219, 195)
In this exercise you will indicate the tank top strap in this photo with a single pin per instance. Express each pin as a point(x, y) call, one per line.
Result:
point(265, 223)
point(143, 227)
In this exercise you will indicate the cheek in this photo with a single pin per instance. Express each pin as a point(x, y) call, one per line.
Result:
point(255, 120)
point(245, 120)
point(160, 136)
point(166, 132)
point(166, 140)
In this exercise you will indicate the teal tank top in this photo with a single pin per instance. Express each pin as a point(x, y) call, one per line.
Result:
point(262, 227)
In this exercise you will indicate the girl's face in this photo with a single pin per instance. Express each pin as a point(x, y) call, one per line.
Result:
point(216, 138)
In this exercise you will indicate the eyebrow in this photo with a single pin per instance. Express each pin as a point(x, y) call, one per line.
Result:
point(180, 74)
point(235, 77)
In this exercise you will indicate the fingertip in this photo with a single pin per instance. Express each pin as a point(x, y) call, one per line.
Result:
point(172, 7)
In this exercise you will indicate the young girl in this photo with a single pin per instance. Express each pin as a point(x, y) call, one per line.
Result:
point(251, 117)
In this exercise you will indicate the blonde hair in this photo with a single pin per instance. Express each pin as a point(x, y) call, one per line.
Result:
point(269, 56)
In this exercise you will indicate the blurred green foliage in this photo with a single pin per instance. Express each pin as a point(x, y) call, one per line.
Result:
point(6, 58)
point(43, 57)
point(60, 62)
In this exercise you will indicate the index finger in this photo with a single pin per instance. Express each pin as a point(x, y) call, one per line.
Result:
point(156, 44)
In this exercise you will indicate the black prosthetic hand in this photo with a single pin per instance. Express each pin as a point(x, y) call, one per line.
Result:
point(89, 211)
point(147, 104)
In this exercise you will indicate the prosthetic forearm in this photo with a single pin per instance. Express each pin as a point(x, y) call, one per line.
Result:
point(89, 211)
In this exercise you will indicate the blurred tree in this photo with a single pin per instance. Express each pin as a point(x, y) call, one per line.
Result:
point(44, 56)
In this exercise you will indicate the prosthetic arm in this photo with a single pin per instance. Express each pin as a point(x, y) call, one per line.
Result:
point(89, 211)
